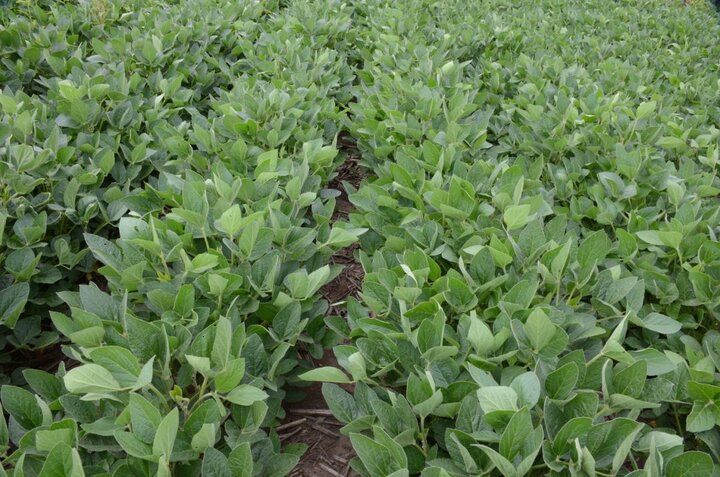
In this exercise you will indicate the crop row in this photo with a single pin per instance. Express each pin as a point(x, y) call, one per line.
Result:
point(542, 265)
point(164, 206)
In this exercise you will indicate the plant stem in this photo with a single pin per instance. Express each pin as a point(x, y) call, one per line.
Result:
point(160, 396)
point(677, 419)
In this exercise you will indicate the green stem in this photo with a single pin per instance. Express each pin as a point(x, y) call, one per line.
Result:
point(423, 437)
point(203, 386)
point(677, 419)
point(160, 396)
point(632, 130)
point(633, 461)
point(199, 400)
point(204, 236)
point(165, 266)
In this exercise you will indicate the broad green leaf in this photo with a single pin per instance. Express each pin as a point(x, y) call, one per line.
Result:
point(704, 416)
point(230, 221)
point(166, 433)
point(326, 374)
point(22, 406)
point(246, 395)
point(571, 430)
point(515, 434)
point(240, 461)
point(90, 378)
point(12, 303)
point(645, 109)
point(527, 387)
point(516, 216)
point(62, 461)
point(340, 402)
point(132, 445)
point(560, 383)
point(145, 418)
point(119, 361)
point(506, 468)
point(690, 464)
point(340, 237)
point(660, 323)
point(47, 439)
point(631, 380)
point(539, 330)
point(661, 238)
point(227, 379)
point(378, 460)
point(497, 398)
point(215, 464)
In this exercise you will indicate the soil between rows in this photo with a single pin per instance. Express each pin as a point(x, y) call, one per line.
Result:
point(309, 421)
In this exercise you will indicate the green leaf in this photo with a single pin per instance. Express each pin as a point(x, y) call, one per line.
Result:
point(185, 300)
point(624, 449)
point(121, 362)
point(145, 418)
point(326, 374)
point(527, 387)
point(645, 109)
point(690, 464)
point(703, 416)
point(571, 430)
point(22, 406)
point(204, 438)
point(560, 383)
point(506, 468)
point(657, 362)
point(280, 465)
point(166, 433)
point(660, 323)
point(671, 142)
point(631, 380)
point(200, 364)
point(62, 461)
point(12, 303)
point(230, 222)
point(4, 434)
point(45, 440)
point(132, 445)
point(340, 402)
point(227, 379)
point(497, 398)
point(515, 434)
point(377, 459)
point(246, 395)
point(661, 237)
point(44, 384)
point(90, 378)
point(516, 216)
point(662, 440)
point(480, 336)
point(240, 461)
point(539, 329)
point(340, 237)
point(222, 343)
point(558, 262)
point(215, 464)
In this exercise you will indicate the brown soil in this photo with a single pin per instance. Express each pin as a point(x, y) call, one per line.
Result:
point(309, 421)
point(349, 171)
point(349, 282)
